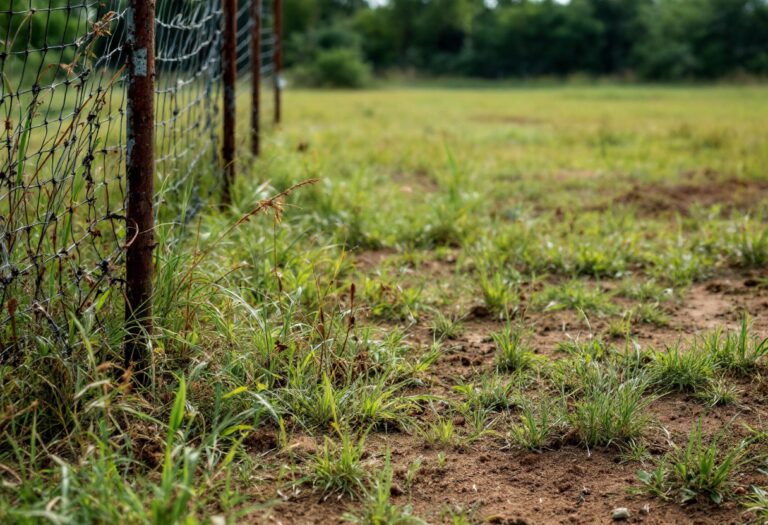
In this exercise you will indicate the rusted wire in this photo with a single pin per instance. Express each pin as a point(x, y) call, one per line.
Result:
point(63, 147)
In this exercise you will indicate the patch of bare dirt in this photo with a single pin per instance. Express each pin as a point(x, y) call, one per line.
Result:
point(730, 193)
point(722, 302)
point(367, 261)
point(417, 182)
point(567, 484)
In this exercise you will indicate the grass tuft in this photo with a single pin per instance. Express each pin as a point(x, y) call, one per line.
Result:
point(377, 507)
point(614, 415)
point(702, 469)
point(337, 469)
point(537, 426)
point(513, 350)
point(739, 352)
point(681, 371)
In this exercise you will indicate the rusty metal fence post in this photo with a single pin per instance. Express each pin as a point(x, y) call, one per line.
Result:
point(229, 58)
point(255, 76)
point(278, 29)
point(140, 169)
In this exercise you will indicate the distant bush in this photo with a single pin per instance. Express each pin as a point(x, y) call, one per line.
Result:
point(337, 67)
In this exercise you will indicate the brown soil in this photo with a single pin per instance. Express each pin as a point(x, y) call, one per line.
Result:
point(418, 182)
point(566, 484)
point(730, 193)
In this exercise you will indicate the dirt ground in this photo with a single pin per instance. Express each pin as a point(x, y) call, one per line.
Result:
point(565, 484)
point(489, 481)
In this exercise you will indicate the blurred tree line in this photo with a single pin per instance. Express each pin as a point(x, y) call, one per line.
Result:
point(338, 42)
point(646, 39)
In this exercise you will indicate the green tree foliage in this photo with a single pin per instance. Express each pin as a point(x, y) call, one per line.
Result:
point(703, 38)
point(509, 40)
point(329, 57)
point(654, 39)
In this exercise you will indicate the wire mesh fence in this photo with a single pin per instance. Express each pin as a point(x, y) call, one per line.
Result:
point(66, 144)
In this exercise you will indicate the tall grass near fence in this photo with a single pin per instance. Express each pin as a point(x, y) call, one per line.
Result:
point(63, 188)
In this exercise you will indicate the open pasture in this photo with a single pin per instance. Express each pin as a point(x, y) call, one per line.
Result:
point(495, 305)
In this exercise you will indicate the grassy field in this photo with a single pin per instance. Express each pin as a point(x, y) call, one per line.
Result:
point(501, 306)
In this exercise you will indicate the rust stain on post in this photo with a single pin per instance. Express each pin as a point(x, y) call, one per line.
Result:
point(278, 29)
point(229, 57)
point(255, 75)
point(140, 171)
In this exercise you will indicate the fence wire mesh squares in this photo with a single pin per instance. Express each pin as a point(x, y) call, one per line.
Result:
point(63, 105)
